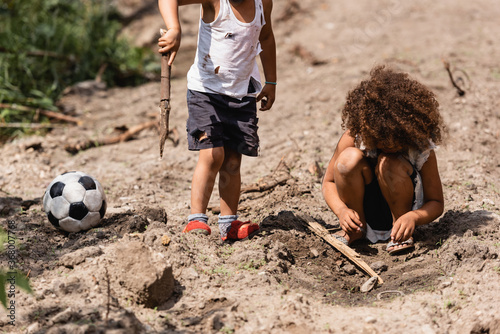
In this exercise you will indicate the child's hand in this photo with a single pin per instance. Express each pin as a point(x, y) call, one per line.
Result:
point(267, 95)
point(170, 42)
point(403, 227)
point(349, 221)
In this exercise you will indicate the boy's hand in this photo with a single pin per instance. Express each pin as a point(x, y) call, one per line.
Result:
point(267, 95)
point(170, 41)
point(403, 228)
point(349, 221)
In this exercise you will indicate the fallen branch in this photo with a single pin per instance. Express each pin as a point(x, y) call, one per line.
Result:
point(306, 55)
point(266, 185)
point(48, 113)
point(127, 135)
point(460, 91)
point(31, 125)
point(344, 249)
point(108, 290)
point(216, 209)
point(270, 181)
point(41, 53)
point(174, 136)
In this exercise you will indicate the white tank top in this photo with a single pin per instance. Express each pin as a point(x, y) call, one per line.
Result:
point(225, 61)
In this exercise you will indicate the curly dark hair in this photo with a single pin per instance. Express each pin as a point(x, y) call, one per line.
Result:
point(391, 109)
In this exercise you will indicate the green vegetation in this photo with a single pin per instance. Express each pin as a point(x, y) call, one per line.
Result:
point(10, 278)
point(252, 265)
point(48, 45)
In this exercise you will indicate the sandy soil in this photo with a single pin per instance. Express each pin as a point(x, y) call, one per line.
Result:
point(285, 279)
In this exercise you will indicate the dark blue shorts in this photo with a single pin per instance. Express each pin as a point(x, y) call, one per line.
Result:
point(226, 122)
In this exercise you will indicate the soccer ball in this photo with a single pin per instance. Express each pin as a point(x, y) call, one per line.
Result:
point(74, 201)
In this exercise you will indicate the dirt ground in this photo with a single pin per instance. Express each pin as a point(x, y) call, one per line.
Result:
point(285, 279)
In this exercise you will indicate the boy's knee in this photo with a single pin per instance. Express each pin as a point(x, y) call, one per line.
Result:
point(212, 157)
point(349, 161)
point(232, 162)
point(218, 155)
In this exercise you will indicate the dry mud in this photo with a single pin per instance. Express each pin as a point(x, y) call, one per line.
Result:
point(285, 279)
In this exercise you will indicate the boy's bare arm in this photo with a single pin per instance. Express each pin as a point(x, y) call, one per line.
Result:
point(268, 58)
point(171, 41)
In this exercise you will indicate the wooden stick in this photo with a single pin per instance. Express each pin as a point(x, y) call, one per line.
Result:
point(460, 91)
point(306, 55)
point(164, 97)
point(41, 53)
point(263, 186)
point(31, 125)
point(48, 113)
point(127, 135)
point(344, 249)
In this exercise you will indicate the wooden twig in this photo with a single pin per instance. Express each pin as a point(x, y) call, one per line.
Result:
point(174, 136)
point(270, 181)
point(306, 55)
point(108, 288)
point(100, 72)
point(266, 185)
point(48, 113)
point(344, 249)
point(216, 209)
point(127, 135)
point(164, 97)
point(41, 53)
point(460, 91)
point(31, 125)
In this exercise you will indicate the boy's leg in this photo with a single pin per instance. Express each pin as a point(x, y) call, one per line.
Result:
point(209, 162)
point(352, 173)
point(229, 189)
point(230, 182)
point(394, 177)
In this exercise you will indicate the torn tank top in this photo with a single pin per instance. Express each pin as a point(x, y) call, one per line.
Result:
point(225, 61)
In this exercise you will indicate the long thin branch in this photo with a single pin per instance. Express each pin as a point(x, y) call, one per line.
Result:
point(48, 113)
point(127, 135)
point(40, 53)
point(344, 249)
point(460, 91)
point(31, 125)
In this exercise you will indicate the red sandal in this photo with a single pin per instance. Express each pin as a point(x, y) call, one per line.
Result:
point(195, 226)
point(241, 230)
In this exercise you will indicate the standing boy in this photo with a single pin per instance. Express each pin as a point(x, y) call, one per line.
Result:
point(223, 90)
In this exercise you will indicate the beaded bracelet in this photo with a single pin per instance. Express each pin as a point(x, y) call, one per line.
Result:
point(271, 83)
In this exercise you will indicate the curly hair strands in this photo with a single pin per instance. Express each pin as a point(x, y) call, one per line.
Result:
point(391, 109)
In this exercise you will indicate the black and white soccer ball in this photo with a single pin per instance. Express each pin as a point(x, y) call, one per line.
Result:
point(74, 201)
